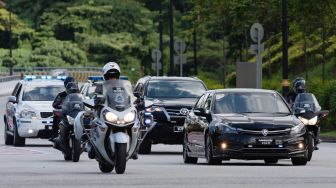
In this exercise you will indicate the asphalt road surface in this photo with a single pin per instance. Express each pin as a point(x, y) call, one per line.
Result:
point(38, 165)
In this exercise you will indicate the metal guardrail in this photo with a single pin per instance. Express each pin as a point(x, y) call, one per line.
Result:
point(9, 78)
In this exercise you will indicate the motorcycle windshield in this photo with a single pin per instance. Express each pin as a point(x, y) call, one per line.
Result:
point(118, 94)
point(307, 101)
point(72, 104)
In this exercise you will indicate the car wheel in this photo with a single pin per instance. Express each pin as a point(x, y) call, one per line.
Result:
point(105, 168)
point(8, 138)
point(209, 153)
point(271, 160)
point(311, 147)
point(18, 140)
point(300, 161)
point(145, 147)
point(186, 158)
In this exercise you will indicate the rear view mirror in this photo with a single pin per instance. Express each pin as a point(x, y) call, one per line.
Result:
point(324, 113)
point(299, 111)
point(12, 99)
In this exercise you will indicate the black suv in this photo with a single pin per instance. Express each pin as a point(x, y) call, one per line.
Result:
point(169, 99)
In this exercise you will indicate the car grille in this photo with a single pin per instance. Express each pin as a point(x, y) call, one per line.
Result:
point(46, 114)
point(176, 111)
point(260, 132)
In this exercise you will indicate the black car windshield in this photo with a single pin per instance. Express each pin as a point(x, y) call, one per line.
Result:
point(239, 102)
point(175, 89)
point(41, 93)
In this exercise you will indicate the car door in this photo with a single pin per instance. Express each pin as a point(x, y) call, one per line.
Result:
point(191, 126)
point(11, 107)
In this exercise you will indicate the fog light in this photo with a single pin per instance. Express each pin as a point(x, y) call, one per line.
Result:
point(301, 146)
point(30, 131)
point(223, 145)
point(148, 121)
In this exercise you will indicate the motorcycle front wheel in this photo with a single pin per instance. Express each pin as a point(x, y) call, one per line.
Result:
point(120, 158)
point(76, 149)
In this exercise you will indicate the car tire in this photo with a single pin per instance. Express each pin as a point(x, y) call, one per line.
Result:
point(105, 168)
point(18, 140)
point(8, 138)
point(209, 152)
point(145, 147)
point(311, 147)
point(299, 161)
point(271, 160)
point(186, 158)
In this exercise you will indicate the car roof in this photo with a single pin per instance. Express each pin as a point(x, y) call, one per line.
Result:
point(242, 90)
point(173, 78)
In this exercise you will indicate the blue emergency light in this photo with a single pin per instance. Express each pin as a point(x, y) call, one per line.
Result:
point(95, 78)
point(43, 77)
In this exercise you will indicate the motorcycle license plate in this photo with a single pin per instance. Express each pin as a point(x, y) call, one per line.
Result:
point(265, 141)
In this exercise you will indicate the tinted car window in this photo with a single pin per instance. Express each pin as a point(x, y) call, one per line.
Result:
point(249, 103)
point(38, 93)
point(175, 89)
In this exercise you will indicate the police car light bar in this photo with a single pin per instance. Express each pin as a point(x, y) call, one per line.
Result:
point(95, 78)
point(43, 77)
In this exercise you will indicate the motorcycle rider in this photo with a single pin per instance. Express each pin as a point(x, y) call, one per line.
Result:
point(71, 87)
point(57, 104)
point(111, 71)
point(299, 86)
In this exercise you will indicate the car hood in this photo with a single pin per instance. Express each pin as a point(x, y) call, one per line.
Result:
point(38, 106)
point(185, 102)
point(258, 121)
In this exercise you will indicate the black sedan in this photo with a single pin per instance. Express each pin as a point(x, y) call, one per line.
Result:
point(250, 124)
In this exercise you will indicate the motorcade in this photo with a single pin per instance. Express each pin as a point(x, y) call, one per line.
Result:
point(169, 99)
point(29, 109)
point(249, 124)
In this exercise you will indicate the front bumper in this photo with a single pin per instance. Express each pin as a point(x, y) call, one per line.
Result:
point(166, 133)
point(35, 128)
point(248, 147)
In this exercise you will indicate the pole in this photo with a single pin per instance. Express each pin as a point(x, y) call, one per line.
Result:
point(161, 37)
point(259, 63)
point(285, 83)
point(10, 45)
point(195, 51)
point(171, 41)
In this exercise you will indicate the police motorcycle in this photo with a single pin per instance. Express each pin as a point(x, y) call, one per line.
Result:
point(116, 126)
point(310, 113)
point(72, 105)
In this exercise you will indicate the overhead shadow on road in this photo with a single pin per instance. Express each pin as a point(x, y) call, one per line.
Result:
point(37, 145)
point(164, 153)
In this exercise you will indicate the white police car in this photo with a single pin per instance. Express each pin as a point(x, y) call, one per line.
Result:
point(29, 109)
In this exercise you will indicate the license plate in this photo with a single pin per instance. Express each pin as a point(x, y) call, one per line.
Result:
point(178, 128)
point(265, 141)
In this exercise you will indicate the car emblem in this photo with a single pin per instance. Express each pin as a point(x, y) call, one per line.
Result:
point(264, 132)
point(184, 111)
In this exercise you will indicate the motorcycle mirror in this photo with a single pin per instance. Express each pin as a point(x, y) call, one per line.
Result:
point(324, 113)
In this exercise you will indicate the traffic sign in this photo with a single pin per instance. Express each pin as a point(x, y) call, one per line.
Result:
point(256, 29)
point(179, 46)
point(156, 55)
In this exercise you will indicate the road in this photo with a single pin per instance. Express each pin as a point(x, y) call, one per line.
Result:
point(38, 165)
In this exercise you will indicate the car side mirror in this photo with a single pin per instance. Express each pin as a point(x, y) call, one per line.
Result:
point(12, 99)
point(137, 94)
point(199, 112)
point(299, 111)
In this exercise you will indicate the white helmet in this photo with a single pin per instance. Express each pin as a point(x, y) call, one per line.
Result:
point(111, 70)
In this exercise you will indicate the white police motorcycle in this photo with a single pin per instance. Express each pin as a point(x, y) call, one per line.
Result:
point(116, 126)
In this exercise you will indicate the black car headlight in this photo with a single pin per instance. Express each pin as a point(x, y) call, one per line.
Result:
point(298, 129)
point(227, 129)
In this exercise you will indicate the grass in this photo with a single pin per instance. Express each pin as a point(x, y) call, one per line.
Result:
point(329, 133)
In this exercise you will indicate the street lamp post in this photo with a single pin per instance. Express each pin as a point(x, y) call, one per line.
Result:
point(10, 44)
point(285, 83)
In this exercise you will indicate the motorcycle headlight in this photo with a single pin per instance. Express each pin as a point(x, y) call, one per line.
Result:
point(129, 117)
point(153, 109)
point(111, 117)
point(312, 121)
point(71, 120)
point(298, 129)
point(28, 114)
